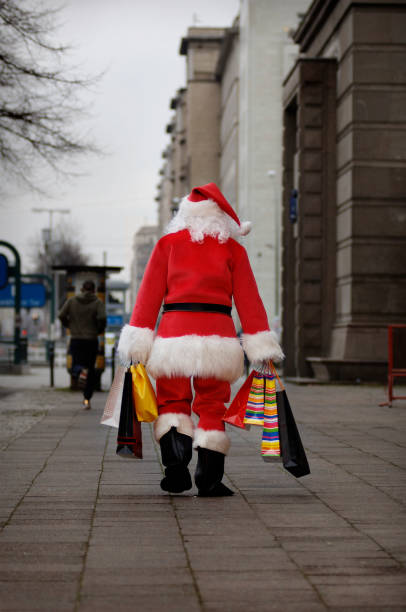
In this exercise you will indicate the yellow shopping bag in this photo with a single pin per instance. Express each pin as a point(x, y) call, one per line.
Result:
point(144, 397)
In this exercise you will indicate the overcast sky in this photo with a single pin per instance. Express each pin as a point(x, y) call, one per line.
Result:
point(137, 43)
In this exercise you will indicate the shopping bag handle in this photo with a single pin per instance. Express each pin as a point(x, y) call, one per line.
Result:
point(273, 369)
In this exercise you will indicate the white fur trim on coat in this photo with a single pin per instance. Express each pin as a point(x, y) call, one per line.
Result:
point(212, 439)
point(262, 346)
point(135, 344)
point(165, 422)
point(192, 355)
point(206, 218)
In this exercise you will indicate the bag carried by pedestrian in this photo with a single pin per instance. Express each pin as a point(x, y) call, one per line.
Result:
point(82, 378)
point(235, 414)
point(280, 438)
point(112, 409)
point(129, 436)
point(143, 394)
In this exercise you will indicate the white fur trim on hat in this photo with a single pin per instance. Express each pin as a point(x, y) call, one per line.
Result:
point(204, 218)
point(192, 355)
point(262, 346)
point(135, 344)
point(213, 439)
point(164, 422)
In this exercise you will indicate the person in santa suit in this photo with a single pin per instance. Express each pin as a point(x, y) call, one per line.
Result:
point(196, 269)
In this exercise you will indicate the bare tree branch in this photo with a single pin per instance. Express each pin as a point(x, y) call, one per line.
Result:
point(38, 93)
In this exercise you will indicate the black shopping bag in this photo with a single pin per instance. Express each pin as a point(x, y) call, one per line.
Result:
point(293, 454)
point(129, 437)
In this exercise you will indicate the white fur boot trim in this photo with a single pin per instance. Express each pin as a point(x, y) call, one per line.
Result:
point(213, 439)
point(165, 422)
point(262, 346)
point(204, 356)
point(135, 344)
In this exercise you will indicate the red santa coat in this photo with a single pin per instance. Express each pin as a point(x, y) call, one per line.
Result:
point(198, 261)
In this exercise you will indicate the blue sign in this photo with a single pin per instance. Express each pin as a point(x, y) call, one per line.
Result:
point(33, 295)
point(115, 320)
point(3, 271)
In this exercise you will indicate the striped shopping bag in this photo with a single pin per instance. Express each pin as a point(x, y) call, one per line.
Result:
point(270, 446)
point(254, 413)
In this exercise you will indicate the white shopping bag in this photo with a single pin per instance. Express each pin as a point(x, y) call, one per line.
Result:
point(111, 414)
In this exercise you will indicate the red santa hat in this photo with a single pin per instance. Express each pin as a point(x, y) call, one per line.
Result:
point(213, 193)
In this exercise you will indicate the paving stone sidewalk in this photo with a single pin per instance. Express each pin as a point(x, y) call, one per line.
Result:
point(86, 531)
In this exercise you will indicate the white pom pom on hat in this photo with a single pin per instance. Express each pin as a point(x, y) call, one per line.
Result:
point(212, 192)
point(245, 227)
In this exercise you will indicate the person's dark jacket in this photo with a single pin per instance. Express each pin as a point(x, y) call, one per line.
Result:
point(84, 315)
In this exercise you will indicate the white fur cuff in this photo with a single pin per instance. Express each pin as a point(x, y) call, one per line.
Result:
point(192, 355)
point(135, 344)
point(212, 439)
point(165, 422)
point(262, 346)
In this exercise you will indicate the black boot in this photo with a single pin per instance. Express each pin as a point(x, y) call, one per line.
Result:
point(209, 472)
point(176, 451)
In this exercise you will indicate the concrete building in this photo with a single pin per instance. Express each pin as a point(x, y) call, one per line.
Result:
point(144, 241)
point(232, 109)
point(266, 53)
point(344, 258)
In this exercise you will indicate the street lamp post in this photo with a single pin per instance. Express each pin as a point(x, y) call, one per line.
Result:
point(51, 212)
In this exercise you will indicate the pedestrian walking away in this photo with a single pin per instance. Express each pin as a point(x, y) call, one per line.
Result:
point(196, 269)
point(85, 317)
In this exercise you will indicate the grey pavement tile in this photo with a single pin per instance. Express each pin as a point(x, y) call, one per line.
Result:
point(394, 576)
point(277, 599)
point(127, 538)
point(147, 602)
point(116, 557)
point(238, 540)
point(135, 577)
point(363, 595)
point(21, 596)
point(302, 520)
point(368, 608)
point(228, 559)
point(264, 606)
point(39, 575)
point(55, 516)
point(139, 499)
point(43, 533)
point(159, 592)
point(59, 492)
point(129, 489)
point(252, 581)
point(320, 544)
point(34, 552)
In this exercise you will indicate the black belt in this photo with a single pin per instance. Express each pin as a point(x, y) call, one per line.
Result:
point(197, 307)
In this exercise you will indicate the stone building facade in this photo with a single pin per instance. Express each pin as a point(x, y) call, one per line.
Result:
point(344, 258)
point(232, 109)
point(144, 241)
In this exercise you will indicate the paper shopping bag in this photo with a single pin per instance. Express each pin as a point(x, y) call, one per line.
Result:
point(111, 414)
point(270, 447)
point(235, 413)
point(129, 440)
point(254, 414)
point(293, 454)
point(144, 397)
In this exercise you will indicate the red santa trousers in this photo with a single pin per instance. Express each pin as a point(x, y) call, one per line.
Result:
point(174, 395)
